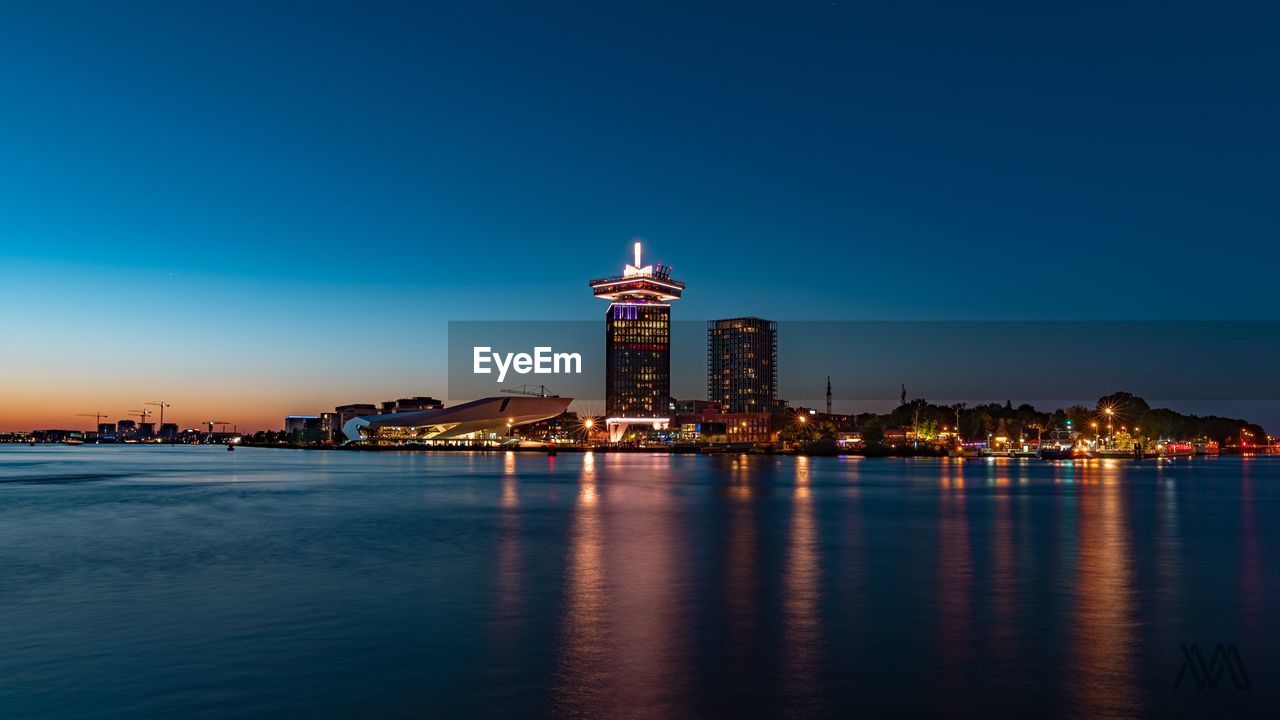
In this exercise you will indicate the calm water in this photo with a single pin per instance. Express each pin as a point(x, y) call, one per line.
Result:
point(193, 582)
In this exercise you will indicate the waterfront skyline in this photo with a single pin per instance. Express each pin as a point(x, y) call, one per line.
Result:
point(200, 207)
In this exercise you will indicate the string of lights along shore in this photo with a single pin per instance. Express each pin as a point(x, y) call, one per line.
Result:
point(638, 345)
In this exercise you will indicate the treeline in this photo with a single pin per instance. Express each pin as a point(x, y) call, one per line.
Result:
point(1127, 411)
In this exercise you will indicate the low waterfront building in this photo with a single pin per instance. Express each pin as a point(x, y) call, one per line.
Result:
point(487, 421)
point(55, 436)
point(343, 414)
point(714, 426)
point(566, 427)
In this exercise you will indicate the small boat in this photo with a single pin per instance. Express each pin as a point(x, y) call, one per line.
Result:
point(1058, 445)
point(71, 441)
point(230, 447)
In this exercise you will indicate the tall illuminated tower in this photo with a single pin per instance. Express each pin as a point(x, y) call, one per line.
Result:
point(637, 386)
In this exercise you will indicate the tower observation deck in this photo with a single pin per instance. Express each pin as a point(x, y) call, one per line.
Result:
point(638, 346)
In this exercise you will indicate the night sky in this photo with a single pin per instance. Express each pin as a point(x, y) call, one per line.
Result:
point(253, 209)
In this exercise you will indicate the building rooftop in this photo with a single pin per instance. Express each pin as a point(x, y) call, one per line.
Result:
point(641, 282)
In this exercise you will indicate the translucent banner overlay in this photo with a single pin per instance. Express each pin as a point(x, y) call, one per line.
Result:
point(1196, 364)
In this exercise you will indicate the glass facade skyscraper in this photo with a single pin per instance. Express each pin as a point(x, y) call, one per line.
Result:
point(638, 360)
point(742, 364)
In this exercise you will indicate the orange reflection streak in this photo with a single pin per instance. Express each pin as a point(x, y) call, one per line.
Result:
point(1004, 585)
point(955, 586)
point(802, 623)
point(1103, 634)
point(1251, 584)
point(646, 599)
point(509, 535)
point(509, 613)
point(742, 580)
point(1168, 546)
point(580, 683)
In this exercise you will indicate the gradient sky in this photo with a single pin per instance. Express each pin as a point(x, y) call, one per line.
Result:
point(253, 209)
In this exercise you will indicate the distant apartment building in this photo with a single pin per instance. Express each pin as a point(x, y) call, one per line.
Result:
point(328, 426)
point(125, 428)
point(343, 413)
point(298, 423)
point(412, 404)
point(742, 364)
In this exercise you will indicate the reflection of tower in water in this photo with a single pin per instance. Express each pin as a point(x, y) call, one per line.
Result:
point(622, 647)
point(802, 624)
point(741, 574)
point(583, 655)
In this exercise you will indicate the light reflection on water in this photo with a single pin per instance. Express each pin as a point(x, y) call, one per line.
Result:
point(802, 638)
point(1104, 631)
point(279, 583)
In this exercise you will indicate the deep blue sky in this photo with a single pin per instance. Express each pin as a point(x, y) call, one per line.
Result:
point(347, 176)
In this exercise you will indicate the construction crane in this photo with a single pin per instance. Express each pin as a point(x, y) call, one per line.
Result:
point(532, 390)
point(162, 405)
point(142, 416)
point(212, 423)
point(97, 418)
